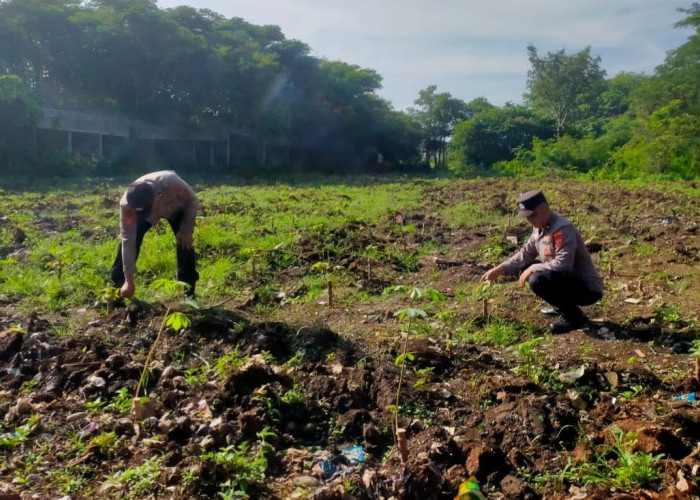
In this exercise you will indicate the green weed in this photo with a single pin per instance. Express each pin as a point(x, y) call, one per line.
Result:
point(242, 464)
point(227, 364)
point(140, 480)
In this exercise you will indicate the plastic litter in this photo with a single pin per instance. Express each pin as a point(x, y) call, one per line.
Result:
point(325, 468)
point(686, 397)
point(329, 466)
point(355, 454)
point(469, 490)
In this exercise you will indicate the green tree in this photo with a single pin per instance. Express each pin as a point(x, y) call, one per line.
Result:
point(437, 114)
point(492, 135)
point(562, 87)
point(19, 108)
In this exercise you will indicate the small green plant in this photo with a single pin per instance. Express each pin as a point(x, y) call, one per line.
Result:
point(194, 377)
point(533, 363)
point(105, 443)
point(495, 251)
point(267, 403)
point(13, 439)
point(190, 477)
point(242, 464)
point(29, 386)
point(327, 270)
point(618, 464)
point(294, 396)
point(110, 295)
point(372, 254)
point(669, 315)
point(76, 440)
point(423, 376)
point(268, 357)
point(95, 406)
point(227, 364)
point(121, 403)
point(484, 292)
point(70, 480)
point(634, 468)
point(140, 480)
point(409, 314)
point(175, 320)
point(632, 392)
point(495, 332)
point(296, 360)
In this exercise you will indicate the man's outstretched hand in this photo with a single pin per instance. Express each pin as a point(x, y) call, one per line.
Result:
point(492, 274)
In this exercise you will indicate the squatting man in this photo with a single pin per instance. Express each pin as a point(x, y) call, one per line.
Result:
point(564, 276)
point(155, 196)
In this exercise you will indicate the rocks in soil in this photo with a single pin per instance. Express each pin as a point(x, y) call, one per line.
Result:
point(515, 489)
point(10, 344)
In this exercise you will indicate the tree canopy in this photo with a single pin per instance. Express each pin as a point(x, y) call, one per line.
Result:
point(194, 68)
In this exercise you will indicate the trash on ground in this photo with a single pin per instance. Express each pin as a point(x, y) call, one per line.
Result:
point(355, 454)
point(686, 397)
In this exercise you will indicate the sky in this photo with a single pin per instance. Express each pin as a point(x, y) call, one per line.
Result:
point(469, 48)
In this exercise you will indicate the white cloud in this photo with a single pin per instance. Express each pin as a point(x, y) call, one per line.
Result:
point(453, 42)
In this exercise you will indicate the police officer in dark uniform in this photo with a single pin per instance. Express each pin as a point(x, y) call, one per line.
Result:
point(564, 276)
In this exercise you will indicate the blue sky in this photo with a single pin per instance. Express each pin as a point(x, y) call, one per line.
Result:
point(469, 48)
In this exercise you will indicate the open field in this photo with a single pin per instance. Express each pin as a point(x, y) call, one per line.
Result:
point(275, 376)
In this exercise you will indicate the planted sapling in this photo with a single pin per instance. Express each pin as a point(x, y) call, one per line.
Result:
point(483, 292)
point(409, 314)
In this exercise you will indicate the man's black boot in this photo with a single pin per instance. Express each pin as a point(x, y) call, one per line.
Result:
point(569, 322)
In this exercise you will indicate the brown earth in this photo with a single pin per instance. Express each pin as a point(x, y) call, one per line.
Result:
point(515, 423)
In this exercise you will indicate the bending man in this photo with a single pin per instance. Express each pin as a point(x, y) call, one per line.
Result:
point(155, 196)
point(565, 276)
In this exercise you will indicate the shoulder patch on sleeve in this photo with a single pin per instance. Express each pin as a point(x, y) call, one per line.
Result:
point(558, 239)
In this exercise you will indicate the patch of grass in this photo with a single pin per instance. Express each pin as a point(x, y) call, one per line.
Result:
point(227, 364)
point(137, 481)
point(643, 250)
point(20, 435)
point(495, 331)
point(613, 464)
point(242, 464)
point(669, 315)
point(71, 480)
point(121, 403)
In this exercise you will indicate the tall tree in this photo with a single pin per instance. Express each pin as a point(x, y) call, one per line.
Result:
point(437, 114)
point(563, 87)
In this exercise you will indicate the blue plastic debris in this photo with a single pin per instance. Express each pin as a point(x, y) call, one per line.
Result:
point(327, 468)
point(686, 397)
point(355, 454)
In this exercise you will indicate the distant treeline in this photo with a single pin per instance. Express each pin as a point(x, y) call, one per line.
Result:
point(193, 68)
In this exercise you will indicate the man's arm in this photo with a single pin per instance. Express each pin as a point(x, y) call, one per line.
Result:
point(127, 231)
point(190, 205)
point(526, 255)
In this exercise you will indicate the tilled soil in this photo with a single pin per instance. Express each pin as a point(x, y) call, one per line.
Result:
point(551, 419)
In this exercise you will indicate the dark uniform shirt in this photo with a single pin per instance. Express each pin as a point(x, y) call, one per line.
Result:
point(559, 247)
